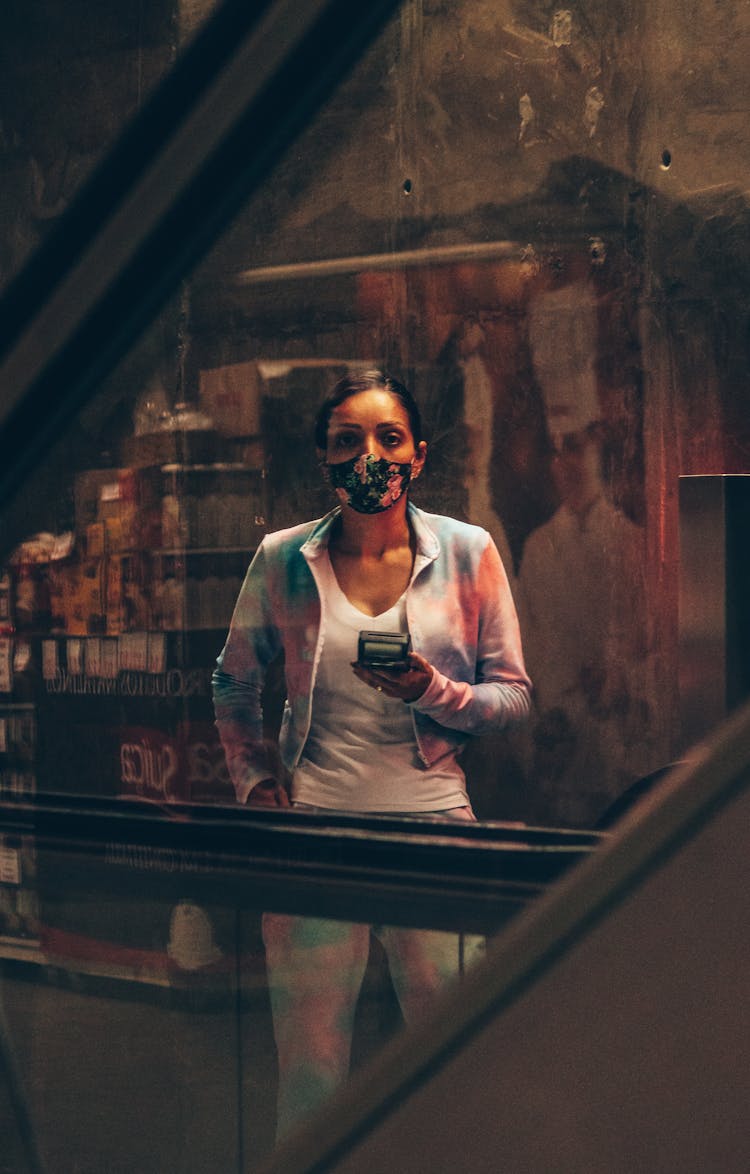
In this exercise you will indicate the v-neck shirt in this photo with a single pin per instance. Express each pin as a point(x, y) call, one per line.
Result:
point(361, 753)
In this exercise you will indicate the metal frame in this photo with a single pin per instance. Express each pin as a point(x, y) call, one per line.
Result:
point(412, 871)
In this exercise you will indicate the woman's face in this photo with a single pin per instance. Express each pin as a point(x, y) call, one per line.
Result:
point(373, 421)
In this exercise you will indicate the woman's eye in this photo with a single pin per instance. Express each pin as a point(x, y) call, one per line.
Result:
point(344, 440)
point(393, 439)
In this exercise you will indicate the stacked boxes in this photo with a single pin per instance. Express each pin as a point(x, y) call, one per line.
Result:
point(78, 595)
point(158, 548)
point(154, 549)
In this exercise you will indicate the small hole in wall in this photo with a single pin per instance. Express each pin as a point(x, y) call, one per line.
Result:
point(407, 187)
point(666, 160)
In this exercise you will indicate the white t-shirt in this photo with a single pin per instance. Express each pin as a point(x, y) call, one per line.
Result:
point(361, 752)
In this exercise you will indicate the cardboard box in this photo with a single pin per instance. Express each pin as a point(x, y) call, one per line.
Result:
point(231, 396)
point(87, 488)
point(96, 539)
point(128, 602)
point(77, 595)
point(181, 446)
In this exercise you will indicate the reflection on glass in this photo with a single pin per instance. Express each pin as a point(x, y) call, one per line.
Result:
point(69, 86)
point(481, 208)
point(142, 997)
point(475, 210)
point(122, 560)
point(137, 1010)
point(592, 696)
point(315, 972)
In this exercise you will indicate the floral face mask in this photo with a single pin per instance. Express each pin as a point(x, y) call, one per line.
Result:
point(369, 484)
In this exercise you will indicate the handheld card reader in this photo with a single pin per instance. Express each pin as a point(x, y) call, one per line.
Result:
point(384, 650)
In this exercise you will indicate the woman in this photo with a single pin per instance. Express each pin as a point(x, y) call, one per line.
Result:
point(357, 737)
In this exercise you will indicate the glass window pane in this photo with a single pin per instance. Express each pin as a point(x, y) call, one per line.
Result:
point(506, 207)
point(173, 978)
point(480, 208)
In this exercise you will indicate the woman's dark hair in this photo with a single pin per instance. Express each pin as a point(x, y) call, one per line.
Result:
point(365, 381)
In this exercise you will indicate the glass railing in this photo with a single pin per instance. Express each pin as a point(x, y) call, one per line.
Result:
point(596, 1035)
point(216, 976)
point(478, 201)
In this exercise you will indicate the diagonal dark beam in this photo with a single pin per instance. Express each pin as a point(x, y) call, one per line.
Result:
point(250, 82)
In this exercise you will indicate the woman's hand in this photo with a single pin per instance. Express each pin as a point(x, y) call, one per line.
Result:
point(268, 793)
point(401, 684)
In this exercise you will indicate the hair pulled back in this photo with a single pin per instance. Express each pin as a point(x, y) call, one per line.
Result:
point(357, 382)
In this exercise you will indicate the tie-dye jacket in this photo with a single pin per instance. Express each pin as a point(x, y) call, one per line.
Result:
point(461, 618)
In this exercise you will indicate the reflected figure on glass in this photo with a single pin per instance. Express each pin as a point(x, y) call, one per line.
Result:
point(479, 421)
point(580, 588)
point(578, 593)
point(358, 735)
